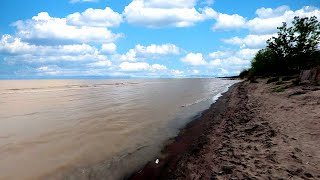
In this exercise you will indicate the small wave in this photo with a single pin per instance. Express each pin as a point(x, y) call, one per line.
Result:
point(214, 98)
point(217, 96)
point(195, 102)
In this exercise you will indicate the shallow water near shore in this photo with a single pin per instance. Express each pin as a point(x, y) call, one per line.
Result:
point(107, 128)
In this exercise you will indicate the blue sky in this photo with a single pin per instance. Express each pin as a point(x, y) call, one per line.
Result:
point(138, 38)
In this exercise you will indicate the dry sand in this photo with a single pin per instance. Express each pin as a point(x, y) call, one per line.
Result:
point(250, 133)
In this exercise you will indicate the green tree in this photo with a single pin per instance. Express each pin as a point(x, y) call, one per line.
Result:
point(296, 47)
point(306, 37)
point(281, 47)
point(293, 49)
point(265, 63)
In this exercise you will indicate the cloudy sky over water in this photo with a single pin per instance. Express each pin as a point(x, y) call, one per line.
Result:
point(138, 38)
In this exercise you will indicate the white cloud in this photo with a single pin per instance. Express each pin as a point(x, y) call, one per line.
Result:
point(131, 55)
point(76, 1)
point(15, 46)
point(219, 54)
point(159, 13)
point(226, 22)
point(268, 12)
point(208, 2)
point(141, 66)
point(158, 67)
point(22, 51)
point(95, 18)
point(163, 49)
point(250, 41)
point(215, 62)
point(169, 4)
point(152, 50)
point(177, 72)
point(194, 59)
point(223, 72)
point(269, 19)
point(229, 66)
point(105, 63)
point(49, 70)
point(44, 59)
point(232, 61)
point(11, 45)
point(43, 29)
point(247, 53)
point(195, 71)
point(138, 66)
point(109, 48)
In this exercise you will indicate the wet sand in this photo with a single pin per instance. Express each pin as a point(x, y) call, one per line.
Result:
point(251, 132)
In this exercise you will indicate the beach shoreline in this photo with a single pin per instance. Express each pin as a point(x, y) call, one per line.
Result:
point(250, 132)
point(182, 143)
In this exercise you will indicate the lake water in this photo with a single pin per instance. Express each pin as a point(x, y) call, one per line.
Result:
point(99, 128)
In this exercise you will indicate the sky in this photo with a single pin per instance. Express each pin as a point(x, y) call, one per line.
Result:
point(138, 38)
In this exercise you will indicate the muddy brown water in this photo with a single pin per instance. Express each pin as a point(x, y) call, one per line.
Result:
point(59, 127)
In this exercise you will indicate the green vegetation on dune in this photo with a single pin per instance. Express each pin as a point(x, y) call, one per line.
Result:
point(294, 49)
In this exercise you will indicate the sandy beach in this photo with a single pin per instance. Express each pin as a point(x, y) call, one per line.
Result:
point(252, 132)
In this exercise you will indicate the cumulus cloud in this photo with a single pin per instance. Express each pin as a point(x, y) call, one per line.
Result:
point(177, 72)
point(246, 53)
point(215, 62)
point(219, 54)
point(170, 4)
point(11, 45)
point(137, 66)
point(158, 67)
point(223, 72)
point(163, 49)
point(269, 12)
point(109, 48)
point(105, 63)
point(44, 29)
point(76, 1)
point(227, 22)
point(250, 41)
point(195, 71)
point(208, 2)
point(141, 66)
point(95, 18)
point(19, 51)
point(230, 62)
point(269, 19)
point(15, 46)
point(152, 50)
point(131, 55)
point(194, 59)
point(159, 13)
point(49, 70)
